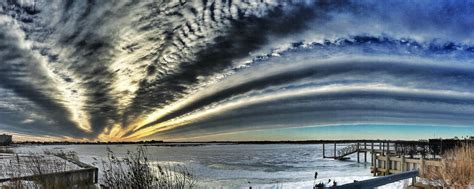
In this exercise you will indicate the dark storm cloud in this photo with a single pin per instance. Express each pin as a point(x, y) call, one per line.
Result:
point(79, 39)
point(374, 45)
point(18, 73)
point(245, 34)
point(398, 70)
point(76, 52)
point(343, 108)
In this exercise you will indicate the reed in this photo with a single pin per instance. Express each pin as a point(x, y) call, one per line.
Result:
point(133, 171)
point(136, 171)
point(456, 170)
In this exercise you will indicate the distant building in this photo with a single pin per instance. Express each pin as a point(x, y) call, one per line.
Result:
point(5, 139)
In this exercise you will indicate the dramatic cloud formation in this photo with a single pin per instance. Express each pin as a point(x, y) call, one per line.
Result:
point(123, 70)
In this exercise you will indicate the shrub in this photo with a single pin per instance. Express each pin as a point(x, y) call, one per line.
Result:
point(136, 171)
point(456, 168)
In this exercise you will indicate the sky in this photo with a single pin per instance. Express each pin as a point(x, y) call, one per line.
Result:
point(236, 70)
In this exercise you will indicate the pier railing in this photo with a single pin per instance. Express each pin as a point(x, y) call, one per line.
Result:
point(432, 148)
point(394, 157)
point(380, 181)
point(361, 147)
point(348, 150)
point(391, 157)
point(385, 165)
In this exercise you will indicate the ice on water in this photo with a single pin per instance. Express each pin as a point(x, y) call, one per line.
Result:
point(240, 166)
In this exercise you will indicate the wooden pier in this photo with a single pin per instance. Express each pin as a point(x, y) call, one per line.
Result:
point(365, 147)
point(388, 164)
point(389, 157)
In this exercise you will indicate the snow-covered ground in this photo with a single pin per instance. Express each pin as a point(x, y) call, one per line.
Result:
point(15, 165)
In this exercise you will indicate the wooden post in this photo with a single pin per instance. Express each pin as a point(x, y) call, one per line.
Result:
point(396, 149)
point(387, 165)
point(373, 156)
point(383, 148)
point(324, 156)
point(96, 175)
point(422, 165)
point(334, 149)
point(388, 147)
point(402, 164)
point(374, 163)
point(365, 157)
point(358, 154)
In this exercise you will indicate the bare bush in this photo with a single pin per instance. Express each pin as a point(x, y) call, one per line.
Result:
point(456, 168)
point(136, 171)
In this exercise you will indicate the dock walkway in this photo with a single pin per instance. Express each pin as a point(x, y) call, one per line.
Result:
point(395, 157)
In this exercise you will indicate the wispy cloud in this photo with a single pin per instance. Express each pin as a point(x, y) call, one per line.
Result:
point(128, 69)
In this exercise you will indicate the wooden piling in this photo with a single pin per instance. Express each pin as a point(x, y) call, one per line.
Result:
point(374, 163)
point(402, 164)
point(358, 158)
point(334, 150)
point(358, 152)
point(395, 149)
point(324, 155)
point(388, 147)
point(422, 166)
point(387, 165)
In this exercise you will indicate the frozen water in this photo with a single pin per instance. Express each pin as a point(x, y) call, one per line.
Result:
point(240, 166)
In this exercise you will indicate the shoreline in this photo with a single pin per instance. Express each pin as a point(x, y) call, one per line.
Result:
point(154, 142)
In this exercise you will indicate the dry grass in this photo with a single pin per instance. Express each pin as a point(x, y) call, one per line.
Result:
point(457, 168)
point(136, 171)
point(133, 171)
